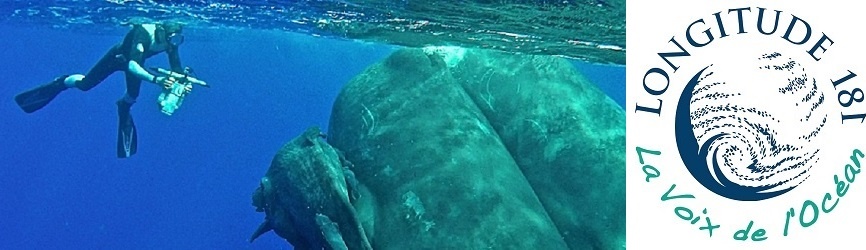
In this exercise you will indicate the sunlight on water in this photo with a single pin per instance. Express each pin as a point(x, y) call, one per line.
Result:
point(592, 31)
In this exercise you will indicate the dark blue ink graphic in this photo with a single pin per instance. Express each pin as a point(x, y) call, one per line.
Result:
point(737, 151)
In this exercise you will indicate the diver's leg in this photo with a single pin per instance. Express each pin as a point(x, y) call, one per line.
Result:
point(111, 62)
point(127, 136)
point(34, 99)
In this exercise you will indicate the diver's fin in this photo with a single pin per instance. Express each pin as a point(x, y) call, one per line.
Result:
point(263, 228)
point(34, 99)
point(127, 134)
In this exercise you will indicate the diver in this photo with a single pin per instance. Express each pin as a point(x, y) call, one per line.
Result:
point(143, 41)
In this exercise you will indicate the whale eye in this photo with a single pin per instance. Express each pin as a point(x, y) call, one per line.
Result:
point(266, 185)
point(261, 194)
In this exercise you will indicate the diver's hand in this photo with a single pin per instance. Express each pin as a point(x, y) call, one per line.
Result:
point(188, 88)
point(165, 81)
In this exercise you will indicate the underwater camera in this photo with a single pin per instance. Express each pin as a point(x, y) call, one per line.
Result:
point(171, 99)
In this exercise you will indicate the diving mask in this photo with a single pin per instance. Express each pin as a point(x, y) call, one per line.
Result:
point(175, 39)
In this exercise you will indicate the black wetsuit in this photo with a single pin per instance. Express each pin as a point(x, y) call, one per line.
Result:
point(118, 57)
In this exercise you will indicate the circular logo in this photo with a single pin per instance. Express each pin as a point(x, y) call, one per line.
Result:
point(737, 144)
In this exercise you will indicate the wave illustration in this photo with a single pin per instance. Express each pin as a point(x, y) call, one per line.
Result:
point(749, 139)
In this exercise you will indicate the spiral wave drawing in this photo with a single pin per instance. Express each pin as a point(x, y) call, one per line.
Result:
point(746, 130)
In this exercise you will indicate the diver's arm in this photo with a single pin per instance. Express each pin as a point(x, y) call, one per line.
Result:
point(134, 65)
point(141, 73)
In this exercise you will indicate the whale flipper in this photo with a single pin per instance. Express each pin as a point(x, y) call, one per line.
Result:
point(331, 233)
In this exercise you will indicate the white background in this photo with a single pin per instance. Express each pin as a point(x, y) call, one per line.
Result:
point(651, 223)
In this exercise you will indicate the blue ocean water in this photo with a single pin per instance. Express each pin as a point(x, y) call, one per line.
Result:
point(190, 185)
